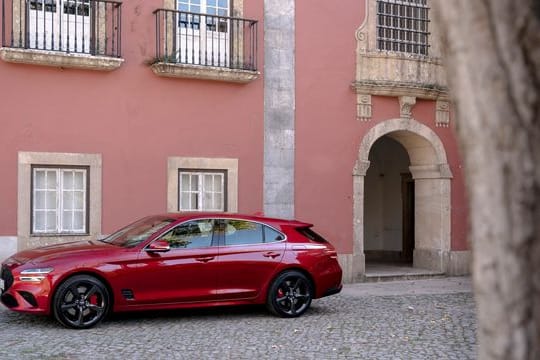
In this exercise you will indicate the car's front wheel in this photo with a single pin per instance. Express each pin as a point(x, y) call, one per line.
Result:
point(290, 294)
point(81, 302)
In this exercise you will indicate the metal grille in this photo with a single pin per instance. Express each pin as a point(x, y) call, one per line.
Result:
point(6, 275)
point(402, 25)
point(194, 38)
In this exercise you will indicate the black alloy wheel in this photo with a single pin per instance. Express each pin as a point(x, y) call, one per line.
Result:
point(290, 294)
point(81, 302)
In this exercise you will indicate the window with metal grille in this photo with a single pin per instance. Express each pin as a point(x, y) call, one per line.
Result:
point(59, 200)
point(402, 25)
point(202, 190)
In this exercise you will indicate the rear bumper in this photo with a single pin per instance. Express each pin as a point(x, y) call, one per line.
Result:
point(329, 280)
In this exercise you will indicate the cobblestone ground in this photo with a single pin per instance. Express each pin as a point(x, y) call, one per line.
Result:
point(344, 326)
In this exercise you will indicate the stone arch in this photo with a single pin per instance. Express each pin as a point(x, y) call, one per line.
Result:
point(431, 173)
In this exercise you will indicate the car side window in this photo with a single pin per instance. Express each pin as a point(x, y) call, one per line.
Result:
point(241, 232)
point(193, 234)
point(271, 235)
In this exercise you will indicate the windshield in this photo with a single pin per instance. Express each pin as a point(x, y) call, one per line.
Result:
point(134, 234)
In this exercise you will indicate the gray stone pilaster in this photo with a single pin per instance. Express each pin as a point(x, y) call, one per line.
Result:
point(279, 106)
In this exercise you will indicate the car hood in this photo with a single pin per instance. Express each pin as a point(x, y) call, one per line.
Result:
point(72, 249)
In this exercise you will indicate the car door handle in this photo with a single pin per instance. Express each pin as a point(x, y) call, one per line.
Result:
point(271, 254)
point(205, 259)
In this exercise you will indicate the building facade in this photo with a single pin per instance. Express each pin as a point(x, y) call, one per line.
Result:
point(336, 115)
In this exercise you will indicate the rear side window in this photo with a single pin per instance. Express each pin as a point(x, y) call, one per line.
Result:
point(271, 235)
point(240, 232)
point(311, 235)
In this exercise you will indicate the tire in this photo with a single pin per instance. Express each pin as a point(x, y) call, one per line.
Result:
point(81, 302)
point(290, 294)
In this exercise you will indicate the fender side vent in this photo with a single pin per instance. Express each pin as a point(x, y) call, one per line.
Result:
point(128, 294)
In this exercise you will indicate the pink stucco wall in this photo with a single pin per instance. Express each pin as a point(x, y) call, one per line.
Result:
point(325, 116)
point(327, 132)
point(135, 119)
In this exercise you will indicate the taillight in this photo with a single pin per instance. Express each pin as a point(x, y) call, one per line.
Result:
point(331, 253)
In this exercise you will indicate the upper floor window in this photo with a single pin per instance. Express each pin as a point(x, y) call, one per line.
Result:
point(202, 190)
point(402, 25)
point(55, 26)
point(208, 34)
point(69, 26)
point(203, 32)
point(59, 200)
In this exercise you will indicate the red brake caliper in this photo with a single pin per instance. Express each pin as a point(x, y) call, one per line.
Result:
point(93, 299)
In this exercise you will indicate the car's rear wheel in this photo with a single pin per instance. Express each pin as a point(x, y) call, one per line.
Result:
point(81, 302)
point(290, 294)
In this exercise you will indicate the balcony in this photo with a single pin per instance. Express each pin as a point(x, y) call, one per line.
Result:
point(203, 46)
point(84, 34)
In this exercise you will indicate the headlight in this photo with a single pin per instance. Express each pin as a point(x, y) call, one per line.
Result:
point(36, 274)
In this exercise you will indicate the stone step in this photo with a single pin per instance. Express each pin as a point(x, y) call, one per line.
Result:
point(423, 274)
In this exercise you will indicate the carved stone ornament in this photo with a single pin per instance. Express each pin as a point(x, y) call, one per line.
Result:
point(360, 168)
point(442, 115)
point(361, 37)
point(406, 103)
point(363, 107)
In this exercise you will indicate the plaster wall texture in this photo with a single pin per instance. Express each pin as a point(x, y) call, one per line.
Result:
point(134, 119)
point(328, 133)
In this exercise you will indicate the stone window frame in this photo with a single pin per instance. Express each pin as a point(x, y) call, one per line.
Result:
point(393, 73)
point(177, 163)
point(366, 35)
point(58, 58)
point(201, 72)
point(25, 162)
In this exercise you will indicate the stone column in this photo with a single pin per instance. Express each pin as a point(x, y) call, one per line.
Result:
point(354, 265)
point(279, 104)
point(432, 218)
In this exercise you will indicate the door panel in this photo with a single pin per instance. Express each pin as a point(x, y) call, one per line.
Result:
point(245, 261)
point(180, 275)
point(186, 273)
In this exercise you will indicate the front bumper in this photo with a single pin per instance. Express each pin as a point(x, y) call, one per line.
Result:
point(23, 296)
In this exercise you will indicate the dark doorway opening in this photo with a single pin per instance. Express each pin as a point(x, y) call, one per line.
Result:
point(407, 199)
point(389, 205)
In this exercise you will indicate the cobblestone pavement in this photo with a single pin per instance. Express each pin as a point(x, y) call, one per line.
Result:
point(398, 320)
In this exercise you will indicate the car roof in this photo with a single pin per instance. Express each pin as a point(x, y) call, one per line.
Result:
point(184, 216)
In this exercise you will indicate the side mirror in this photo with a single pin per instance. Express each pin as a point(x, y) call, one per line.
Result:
point(158, 246)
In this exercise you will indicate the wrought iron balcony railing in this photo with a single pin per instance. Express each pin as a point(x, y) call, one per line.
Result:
point(205, 40)
point(72, 26)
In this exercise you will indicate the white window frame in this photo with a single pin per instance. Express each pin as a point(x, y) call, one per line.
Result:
point(177, 163)
point(63, 25)
point(202, 191)
point(197, 42)
point(59, 206)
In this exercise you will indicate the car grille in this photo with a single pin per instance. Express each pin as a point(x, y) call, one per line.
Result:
point(7, 277)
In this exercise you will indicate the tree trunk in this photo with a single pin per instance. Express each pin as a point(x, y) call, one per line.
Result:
point(493, 62)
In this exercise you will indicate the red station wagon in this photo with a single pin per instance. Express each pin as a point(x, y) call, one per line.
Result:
point(175, 261)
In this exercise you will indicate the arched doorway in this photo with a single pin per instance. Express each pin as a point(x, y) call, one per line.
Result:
point(431, 175)
point(389, 204)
